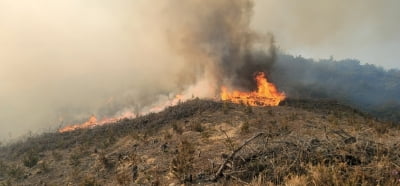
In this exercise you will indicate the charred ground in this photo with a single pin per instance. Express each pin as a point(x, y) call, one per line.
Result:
point(300, 142)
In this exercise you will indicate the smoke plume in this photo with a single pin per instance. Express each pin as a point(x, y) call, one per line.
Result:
point(215, 39)
point(64, 61)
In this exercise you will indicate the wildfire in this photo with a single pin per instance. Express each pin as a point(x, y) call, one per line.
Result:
point(93, 122)
point(266, 95)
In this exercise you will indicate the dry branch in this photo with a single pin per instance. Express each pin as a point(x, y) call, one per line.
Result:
point(222, 167)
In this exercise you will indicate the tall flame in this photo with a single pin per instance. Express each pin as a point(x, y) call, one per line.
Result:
point(266, 95)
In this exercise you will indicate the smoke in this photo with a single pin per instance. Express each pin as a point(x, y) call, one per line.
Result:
point(216, 41)
point(63, 61)
point(362, 29)
point(367, 87)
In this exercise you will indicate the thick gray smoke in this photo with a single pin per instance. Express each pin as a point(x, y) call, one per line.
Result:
point(63, 61)
point(216, 40)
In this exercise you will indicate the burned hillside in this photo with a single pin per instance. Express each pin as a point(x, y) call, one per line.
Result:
point(202, 141)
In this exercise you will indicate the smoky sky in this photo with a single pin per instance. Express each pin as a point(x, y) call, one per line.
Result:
point(361, 29)
point(62, 61)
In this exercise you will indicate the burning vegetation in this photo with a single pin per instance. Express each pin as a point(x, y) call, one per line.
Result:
point(244, 140)
point(213, 143)
point(266, 94)
point(218, 50)
point(93, 121)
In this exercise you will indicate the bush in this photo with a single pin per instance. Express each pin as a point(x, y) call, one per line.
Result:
point(57, 156)
point(248, 109)
point(31, 159)
point(16, 172)
point(89, 181)
point(225, 108)
point(177, 128)
point(74, 160)
point(44, 167)
point(245, 128)
point(198, 127)
point(108, 164)
point(182, 162)
point(3, 168)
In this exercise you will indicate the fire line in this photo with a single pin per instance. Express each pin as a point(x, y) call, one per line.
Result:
point(266, 94)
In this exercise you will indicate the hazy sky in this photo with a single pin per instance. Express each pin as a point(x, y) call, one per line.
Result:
point(367, 30)
point(67, 59)
point(72, 58)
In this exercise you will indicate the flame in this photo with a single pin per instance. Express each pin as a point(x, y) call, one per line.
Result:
point(93, 122)
point(266, 95)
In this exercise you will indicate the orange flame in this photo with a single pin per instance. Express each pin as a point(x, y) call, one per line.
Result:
point(93, 122)
point(266, 95)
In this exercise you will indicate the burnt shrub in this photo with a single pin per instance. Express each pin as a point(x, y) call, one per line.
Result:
point(30, 159)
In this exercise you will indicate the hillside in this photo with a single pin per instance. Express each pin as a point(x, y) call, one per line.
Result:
point(367, 87)
point(300, 142)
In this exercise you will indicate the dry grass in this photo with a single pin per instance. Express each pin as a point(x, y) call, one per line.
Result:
point(181, 165)
point(305, 143)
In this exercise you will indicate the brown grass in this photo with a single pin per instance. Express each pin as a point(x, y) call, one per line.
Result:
point(305, 143)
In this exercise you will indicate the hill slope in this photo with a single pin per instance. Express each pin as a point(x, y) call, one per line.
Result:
point(364, 86)
point(299, 142)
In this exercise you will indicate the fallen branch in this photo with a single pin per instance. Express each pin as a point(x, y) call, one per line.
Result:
point(222, 167)
point(239, 180)
point(234, 172)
